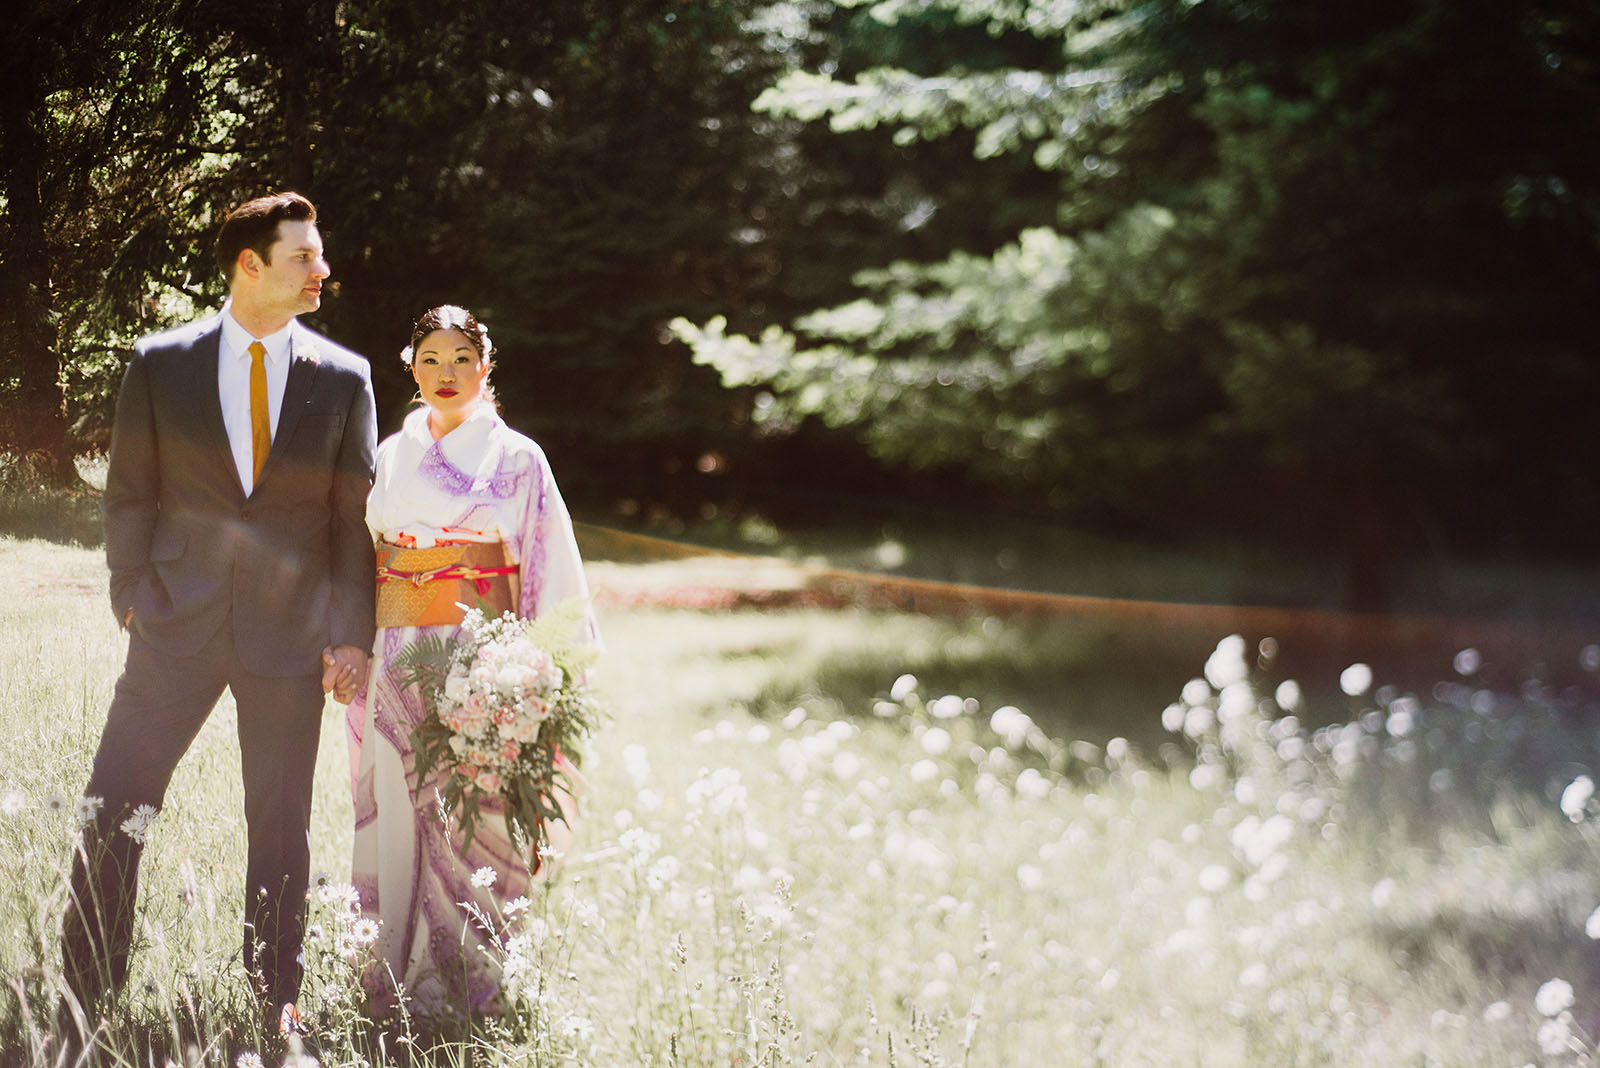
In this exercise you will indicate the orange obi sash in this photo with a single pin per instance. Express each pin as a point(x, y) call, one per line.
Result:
point(426, 587)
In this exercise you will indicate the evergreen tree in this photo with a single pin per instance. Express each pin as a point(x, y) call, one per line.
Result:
point(1324, 268)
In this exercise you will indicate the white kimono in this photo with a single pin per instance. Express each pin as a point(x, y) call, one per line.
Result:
point(482, 481)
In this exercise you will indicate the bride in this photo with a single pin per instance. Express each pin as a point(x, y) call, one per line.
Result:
point(464, 510)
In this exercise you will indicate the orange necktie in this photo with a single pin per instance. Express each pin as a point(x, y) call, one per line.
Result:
point(260, 418)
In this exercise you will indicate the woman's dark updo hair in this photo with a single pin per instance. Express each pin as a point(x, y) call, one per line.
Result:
point(450, 317)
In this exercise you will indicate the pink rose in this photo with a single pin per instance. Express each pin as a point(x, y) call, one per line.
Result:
point(488, 780)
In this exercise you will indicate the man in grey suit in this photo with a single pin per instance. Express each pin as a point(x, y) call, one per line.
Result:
point(236, 536)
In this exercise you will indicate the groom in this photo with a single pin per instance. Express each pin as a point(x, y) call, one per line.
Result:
point(236, 536)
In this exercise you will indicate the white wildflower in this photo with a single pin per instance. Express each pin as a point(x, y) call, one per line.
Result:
point(641, 843)
point(1226, 665)
point(1173, 717)
point(663, 872)
point(1214, 877)
point(1012, 724)
point(1402, 717)
point(137, 825)
point(1255, 975)
point(1198, 720)
point(905, 686)
point(720, 792)
point(87, 808)
point(484, 877)
point(1575, 798)
point(340, 896)
point(1032, 783)
point(1554, 997)
point(1555, 1035)
point(1355, 680)
point(1196, 692)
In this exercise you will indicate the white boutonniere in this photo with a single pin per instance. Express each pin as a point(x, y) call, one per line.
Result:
point(308, 352)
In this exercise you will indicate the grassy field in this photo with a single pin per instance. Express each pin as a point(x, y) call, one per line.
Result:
point(795, 852)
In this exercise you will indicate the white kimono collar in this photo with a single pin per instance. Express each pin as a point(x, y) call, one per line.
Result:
point(463, 445)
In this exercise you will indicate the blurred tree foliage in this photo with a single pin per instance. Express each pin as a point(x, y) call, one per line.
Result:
point(1319, 272)
point(110, 128)
point(577, 173)
point(1315, 270)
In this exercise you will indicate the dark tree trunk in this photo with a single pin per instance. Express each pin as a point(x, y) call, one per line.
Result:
point(308, 64)
point(34, 421)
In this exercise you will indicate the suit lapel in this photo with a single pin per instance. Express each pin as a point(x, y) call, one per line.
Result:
point(203, 355)
point(303, 364)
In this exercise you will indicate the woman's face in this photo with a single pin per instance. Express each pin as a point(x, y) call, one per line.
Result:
point(449, 374)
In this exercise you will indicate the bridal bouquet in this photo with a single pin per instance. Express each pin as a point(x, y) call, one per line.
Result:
point(505, 699)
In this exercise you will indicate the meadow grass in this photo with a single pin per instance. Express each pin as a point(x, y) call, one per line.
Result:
point(782, 862)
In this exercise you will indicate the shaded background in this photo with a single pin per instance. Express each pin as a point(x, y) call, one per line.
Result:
point(1316, 282)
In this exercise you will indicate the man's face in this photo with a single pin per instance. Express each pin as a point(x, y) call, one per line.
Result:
point(290, 281)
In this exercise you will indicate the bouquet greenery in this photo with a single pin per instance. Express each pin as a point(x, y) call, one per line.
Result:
point(506, 699)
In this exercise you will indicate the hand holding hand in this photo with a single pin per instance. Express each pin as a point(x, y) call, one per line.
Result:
point(344, 672)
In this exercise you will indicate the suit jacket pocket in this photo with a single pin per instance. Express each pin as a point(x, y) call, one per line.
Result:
point(318, 425)
point(167, 546)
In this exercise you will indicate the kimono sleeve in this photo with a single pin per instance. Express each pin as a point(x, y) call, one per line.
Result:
point(551, 569)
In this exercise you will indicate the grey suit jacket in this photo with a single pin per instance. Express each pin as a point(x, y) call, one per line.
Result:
point(292, 563)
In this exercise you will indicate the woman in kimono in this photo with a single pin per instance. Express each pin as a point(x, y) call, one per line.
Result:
point(464, 510)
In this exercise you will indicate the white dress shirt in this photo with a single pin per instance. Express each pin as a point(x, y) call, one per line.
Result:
point(233, 388)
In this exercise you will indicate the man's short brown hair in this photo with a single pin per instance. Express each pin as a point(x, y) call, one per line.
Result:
point(254, 225)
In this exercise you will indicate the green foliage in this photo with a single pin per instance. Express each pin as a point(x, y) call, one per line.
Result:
point(1328, 260)
point(115, 125)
